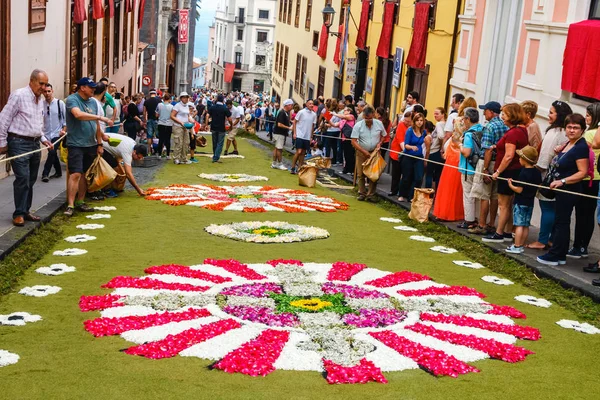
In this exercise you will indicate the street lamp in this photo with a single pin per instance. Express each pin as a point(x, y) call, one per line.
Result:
point(328, 14)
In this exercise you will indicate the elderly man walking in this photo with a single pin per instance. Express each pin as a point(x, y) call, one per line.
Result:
point(367, 137)
point(21, 127)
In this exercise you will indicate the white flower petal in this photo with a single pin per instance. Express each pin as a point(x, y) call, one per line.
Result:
point(90, 226)
point(55, 269)
point(70, 252)
point(420, 238)
point(105, 208)
point(18, 318)
point(39, 290)
point(392, 220)
point(496, 280)
point(406, 228)
point(534, 301)
point(443, 249)
point(98, 216)
point(80, 238)
point(8, 358)
point(468, 264)
point(583, 327)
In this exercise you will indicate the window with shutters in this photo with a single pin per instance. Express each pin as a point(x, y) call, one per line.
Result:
point(261, 36)
point(308, 14)
point(240, 35)
point(106, 42)
point(289, 14)
point(277, 69)
point(125, 33)
point(303, 77)
point(285, 62)
point(297, 18)
point(285, 8)
point(117, 38)
point(297, 77)
point(281, 9)
point(315, 40)
point(37, 15)
point(321, 84)
point(132, 26)
point(92, 25)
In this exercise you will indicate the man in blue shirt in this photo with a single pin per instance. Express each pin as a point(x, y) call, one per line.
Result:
point(218, 114)
point(472, 135)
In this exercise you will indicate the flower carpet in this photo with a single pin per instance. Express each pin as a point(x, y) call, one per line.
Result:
point(233, 177)
point(267, 232)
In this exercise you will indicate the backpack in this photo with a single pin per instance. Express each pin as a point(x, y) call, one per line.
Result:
point(473, 158)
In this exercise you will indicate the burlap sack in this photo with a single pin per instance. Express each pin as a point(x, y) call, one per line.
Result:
point(118, 184)
point(320, 162)
point(421, 205)
point(201, 141)
point(99, 175)
point(307, 175)
point(374, 166)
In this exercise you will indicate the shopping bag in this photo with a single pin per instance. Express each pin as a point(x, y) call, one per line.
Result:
point(63, 152)
point(307, 175)
point(320, 162)
point(99, 175)
point(421, 205)
point(118, 185)
point(374, 166)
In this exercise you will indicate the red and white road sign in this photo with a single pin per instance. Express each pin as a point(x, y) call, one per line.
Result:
point(146, 80)
point(184, 26)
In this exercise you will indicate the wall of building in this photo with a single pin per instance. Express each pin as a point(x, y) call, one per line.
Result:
point(211, 56)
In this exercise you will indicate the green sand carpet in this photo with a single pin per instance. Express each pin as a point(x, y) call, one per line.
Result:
point(59, 359)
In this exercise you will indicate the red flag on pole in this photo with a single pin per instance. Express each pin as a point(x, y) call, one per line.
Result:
point(361, 38)
point(229, 70)
point(383, 48)
point(418, 46)
point(111, 8)
point(141, 14)
point(322, 52)
point(79, 13)
point(97, 9)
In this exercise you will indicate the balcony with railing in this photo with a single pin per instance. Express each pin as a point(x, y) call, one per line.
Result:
point(242, 67)
point(240, 19)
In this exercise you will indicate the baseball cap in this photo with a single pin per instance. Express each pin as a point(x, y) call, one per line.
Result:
point(184, 94)
point(86, 82)
point(153, 91)
point(492, 106)
point(529, 153)
point(288, 102)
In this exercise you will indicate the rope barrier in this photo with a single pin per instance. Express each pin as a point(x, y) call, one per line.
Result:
point(31, 152)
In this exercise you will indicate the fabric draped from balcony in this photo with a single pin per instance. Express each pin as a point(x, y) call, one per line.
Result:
point(338, 45)
point(418, 46)
point(141, 13)
point(111, 8)
point(323, 39)
point(383, 48)
point(97, 9)
point(79, 12)
point(229, 70)
point(581, 59)
point(361, 37)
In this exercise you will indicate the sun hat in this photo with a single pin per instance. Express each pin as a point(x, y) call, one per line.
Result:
point(184, 94)
point(288, 102)
point(529, 154)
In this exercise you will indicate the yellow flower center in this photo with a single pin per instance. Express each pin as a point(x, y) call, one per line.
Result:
point(246, 196)
point(313, 304)
point(265, 231)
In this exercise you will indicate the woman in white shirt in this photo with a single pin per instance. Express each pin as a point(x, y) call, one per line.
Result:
point(434, 170)
point(165, 125)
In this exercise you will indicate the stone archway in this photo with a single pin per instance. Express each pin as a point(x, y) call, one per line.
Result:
point(171, 64)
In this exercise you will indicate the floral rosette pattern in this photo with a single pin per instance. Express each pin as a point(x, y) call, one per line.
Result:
point(267, 232)
point(233, 177)
point(245, 198)
point(352, 322)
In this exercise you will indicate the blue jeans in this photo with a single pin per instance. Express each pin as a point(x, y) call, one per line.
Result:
point(151, 128)
point(217, 141)
point(412, 176)
point(52, 161)
point(26, 173)
point(113, 129)
point(332, 145)
point(561, 235)
point(547, 221)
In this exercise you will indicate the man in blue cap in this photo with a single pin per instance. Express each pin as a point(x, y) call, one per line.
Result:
point(84, 141)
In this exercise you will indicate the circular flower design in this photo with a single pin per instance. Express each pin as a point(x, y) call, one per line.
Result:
point(583, 327)
point(420, 238)
point(90, 226)
point(534, 301)
point(8, 358)
point(352, 322)
point(233, 177)
point(405, 228)
point(468, 264)
point(18, 319)
point(98, 216)
point(245, 198)
point(70, 252)
point(80, 238)
point(393, 220)
point(105, 208)
point(267, 232)
point(443, 249)
point(39, 290)
point(496, 280)
point(55, 269)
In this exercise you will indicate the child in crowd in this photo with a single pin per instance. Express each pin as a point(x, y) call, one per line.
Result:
point(316, 149)
point(525, 194)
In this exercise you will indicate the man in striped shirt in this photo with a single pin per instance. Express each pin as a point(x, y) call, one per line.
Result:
point(21, 127)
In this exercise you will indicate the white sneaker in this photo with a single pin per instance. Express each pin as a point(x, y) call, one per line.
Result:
point(176, 162)
point(274, 165)
point(168, 157)
point(515, 249)
point(187, 162)
point(282, 167)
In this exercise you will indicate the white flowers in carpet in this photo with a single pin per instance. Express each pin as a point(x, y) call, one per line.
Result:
point(90, 226)
point(80, 238)
point(98, 216)
point(443, 249)
point(233, 177)
point(39, 290)
point(267, 232)
point(496, 280)
point(18, 319)
point(70, 252)
point(8, 358)
point(534, 301)
point(420, 238)
point(55, 269)
point(405, 228)
point(468, 264)
point(392, 220)
point(105, 208)
point(583, 327)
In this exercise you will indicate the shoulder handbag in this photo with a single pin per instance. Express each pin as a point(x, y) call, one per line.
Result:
point(551, 175)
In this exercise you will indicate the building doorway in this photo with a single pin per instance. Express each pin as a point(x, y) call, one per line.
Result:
point(259, 86)
point(361, 73)
point(4, 51)
point(417, 81)
point(236, 85)
point(383, 82)
point(171, 64)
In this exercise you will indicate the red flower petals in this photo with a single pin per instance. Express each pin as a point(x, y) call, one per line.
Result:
point(187, 272)
point(235, 267)
point(365, 371)
point(149, 283)
point(501, 351)
point(397, 278)
point(522, 332)
point(274, 263)
point(435, 361)
point(116, 326)
point(442, 291)
point(342, 271)
point(257, 356)
point(175, 344)
point(97, 303)
point(507, 311)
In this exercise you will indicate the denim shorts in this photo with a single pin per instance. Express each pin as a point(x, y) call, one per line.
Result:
point(522, 215)
point(151, 128)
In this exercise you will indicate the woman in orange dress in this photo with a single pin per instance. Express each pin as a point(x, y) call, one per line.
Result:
point(449, 198)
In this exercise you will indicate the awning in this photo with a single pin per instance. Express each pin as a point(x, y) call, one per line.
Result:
point(581, 59)
point(383, 48)
point(141, 14)
point(418, 46)
point(79, 12)
point(323, 39)
point(229, 70)
point(361, 38)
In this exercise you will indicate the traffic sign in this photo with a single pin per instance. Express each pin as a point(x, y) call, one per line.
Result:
point(146, 80)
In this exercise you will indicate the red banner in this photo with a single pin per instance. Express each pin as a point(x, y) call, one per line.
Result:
point(383, 48)
point(111, 8)
point(97, 9)
point(338, 45)
point(184, 26)
point(361, 38)
point(323, 39)
point(141, 14)
point(128, 5)
point(577, 76)
point(229, 70)
point(418, 46)
point(79, 12)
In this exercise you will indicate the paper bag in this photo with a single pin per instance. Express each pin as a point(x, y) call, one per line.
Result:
point(307, 176)
point(99, 175)
point(421, 205)
point(118, 185)
point(374, 166)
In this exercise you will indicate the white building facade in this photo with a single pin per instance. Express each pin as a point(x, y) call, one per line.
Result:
point(512, 50)
point(198, 74)
point(242, 50)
